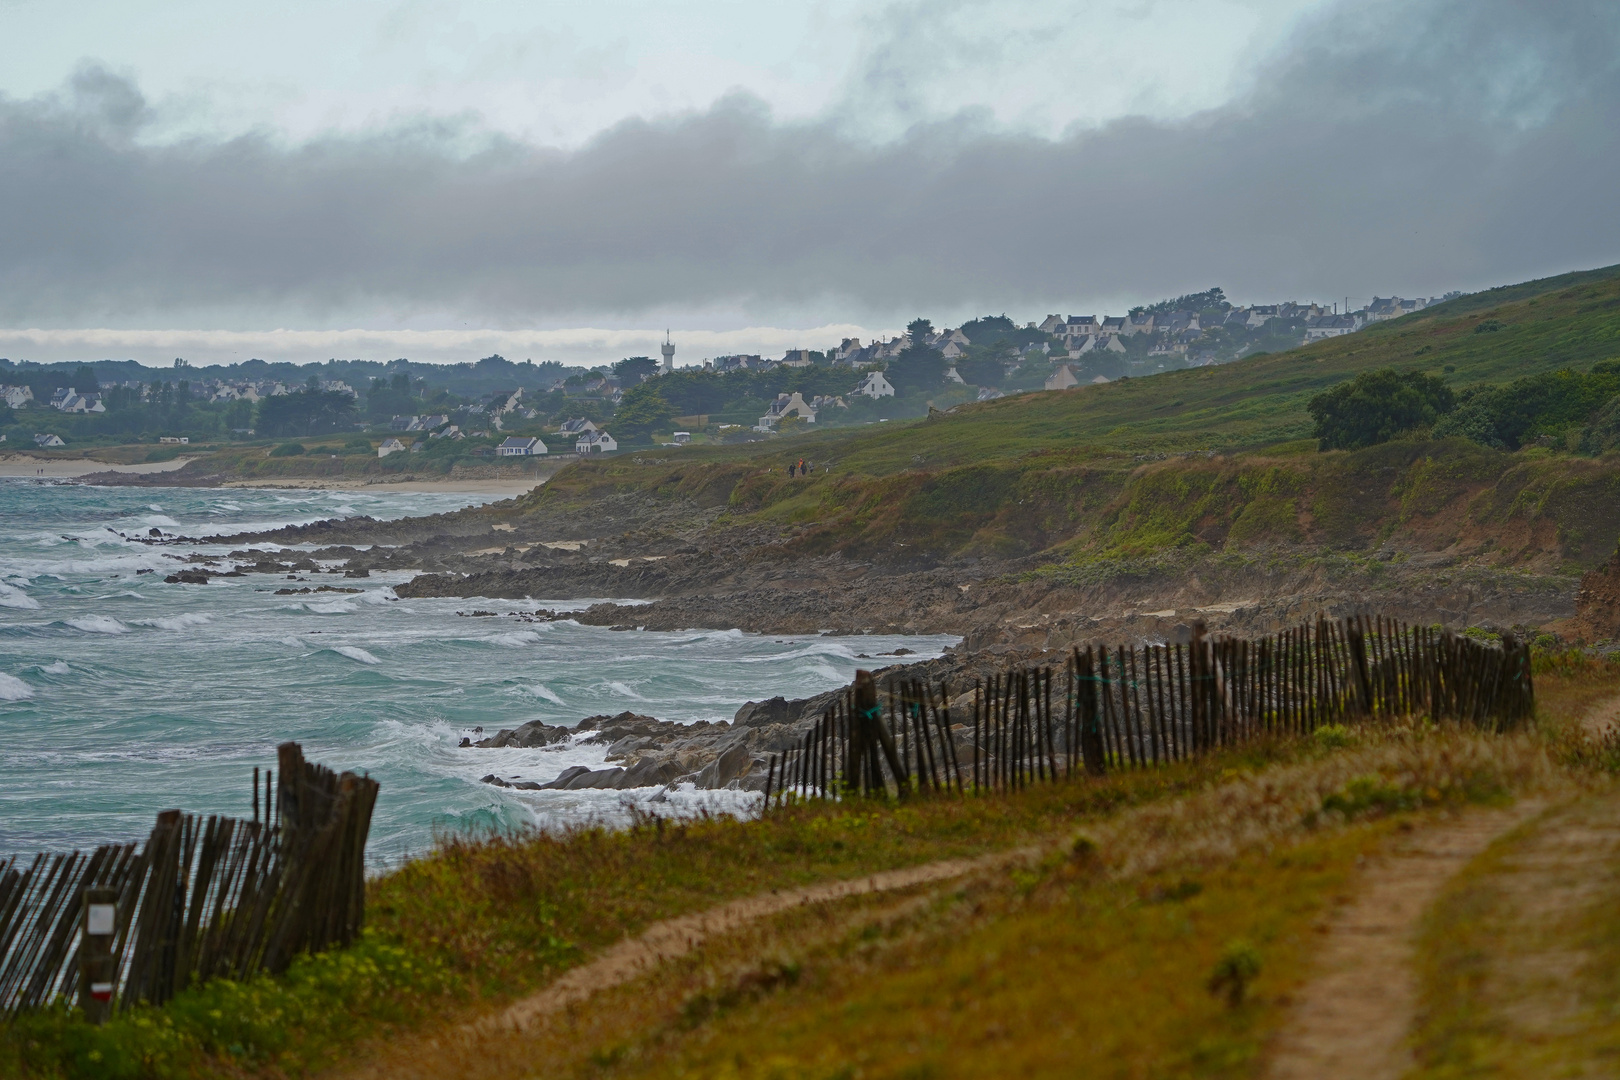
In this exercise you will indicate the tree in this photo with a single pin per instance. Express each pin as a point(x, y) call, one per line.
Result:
point(919, 366)
point(630, 370)
point(642, 411)
point(981, 369)
point(988, 329)
point(1376, 406)
point(306, 412)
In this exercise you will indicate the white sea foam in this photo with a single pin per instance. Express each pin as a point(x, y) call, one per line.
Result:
point(60, 667)
point(539, 690)
point(624, 691)
point(16, 598)
point(98, 624)
point(14, 689)
point(332, 607)
point(160, 520)
point(176, 622)
point(356, 653)
point(516, 639)
point(377, 596)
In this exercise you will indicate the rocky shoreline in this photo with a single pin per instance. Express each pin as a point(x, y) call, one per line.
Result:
point(692, 573)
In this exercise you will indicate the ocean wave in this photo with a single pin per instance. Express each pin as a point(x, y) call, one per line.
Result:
point(160, 520)
point(516, 639)
point(383, 595)
point(98, 624)
point(355, 653)
point(14, 689)
point(540, 690)
point(15, 598)
point(624, 691)
point(175, 622)
point(60, 667)
point(332, 607)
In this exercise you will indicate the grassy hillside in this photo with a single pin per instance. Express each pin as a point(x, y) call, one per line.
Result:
point(1196, 460)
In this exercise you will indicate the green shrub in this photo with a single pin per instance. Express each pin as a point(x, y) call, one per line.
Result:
point(291, 1023)
point(290, 449)
point(1234, 971)
point(1376, 406)
point(1332, 737)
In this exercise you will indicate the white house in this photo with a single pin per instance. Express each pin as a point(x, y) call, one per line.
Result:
point(1052, 324)
point(952, 375)
point(518, 447)
point(875, 386)
point(1112, 324)
point(1085, 343)
point(177, 440)
point(69, 400)
point(1326, 326)
point(595, 442)
point(49, 440)
point(17, 396)
point(389, 446)
point(989, 393)
point(577, 427)
point(681, 437)
point(1062, 378)
point(784, 406)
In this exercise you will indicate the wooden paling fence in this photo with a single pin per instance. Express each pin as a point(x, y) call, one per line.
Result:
point(202, 899)
point(1139, 707)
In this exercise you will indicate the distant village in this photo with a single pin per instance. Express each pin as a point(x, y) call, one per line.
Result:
point(725, 398)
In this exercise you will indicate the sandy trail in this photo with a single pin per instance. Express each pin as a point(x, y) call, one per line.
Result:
point(1351, 1020)
point(673, 938)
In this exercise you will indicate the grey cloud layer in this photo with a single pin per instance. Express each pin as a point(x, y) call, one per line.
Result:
point(1448, 143)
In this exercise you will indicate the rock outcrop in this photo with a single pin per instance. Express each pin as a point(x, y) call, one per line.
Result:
point(1597, 603)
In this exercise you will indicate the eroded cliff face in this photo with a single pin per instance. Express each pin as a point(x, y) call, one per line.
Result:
point(1597, 604)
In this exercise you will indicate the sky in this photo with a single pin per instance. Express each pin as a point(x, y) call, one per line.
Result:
point(567, 181)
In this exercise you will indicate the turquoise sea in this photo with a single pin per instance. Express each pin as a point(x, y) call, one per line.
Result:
point(121, 696)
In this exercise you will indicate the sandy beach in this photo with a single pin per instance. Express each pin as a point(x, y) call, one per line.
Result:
point(59, 469)
point(29, 467)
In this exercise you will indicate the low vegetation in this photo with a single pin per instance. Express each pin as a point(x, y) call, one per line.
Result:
point(1180, 877)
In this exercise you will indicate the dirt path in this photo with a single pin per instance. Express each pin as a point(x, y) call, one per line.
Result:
point(673, 938)
point(1350, 1022)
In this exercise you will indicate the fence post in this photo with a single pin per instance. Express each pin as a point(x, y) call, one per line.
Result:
point(1091, 739)
point(98, 969)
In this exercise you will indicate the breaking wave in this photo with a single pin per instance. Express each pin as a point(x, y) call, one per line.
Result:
point(14, 689)
point(98, 624)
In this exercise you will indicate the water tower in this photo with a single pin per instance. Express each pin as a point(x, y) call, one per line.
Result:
point(668, 349)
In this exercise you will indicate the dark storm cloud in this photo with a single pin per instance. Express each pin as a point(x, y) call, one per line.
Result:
point(1462, 143)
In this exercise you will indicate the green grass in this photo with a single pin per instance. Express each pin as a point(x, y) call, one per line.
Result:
point(478, 922)
point(1200, 458)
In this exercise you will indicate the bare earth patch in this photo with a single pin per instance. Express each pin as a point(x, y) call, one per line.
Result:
point(1350, 1022)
